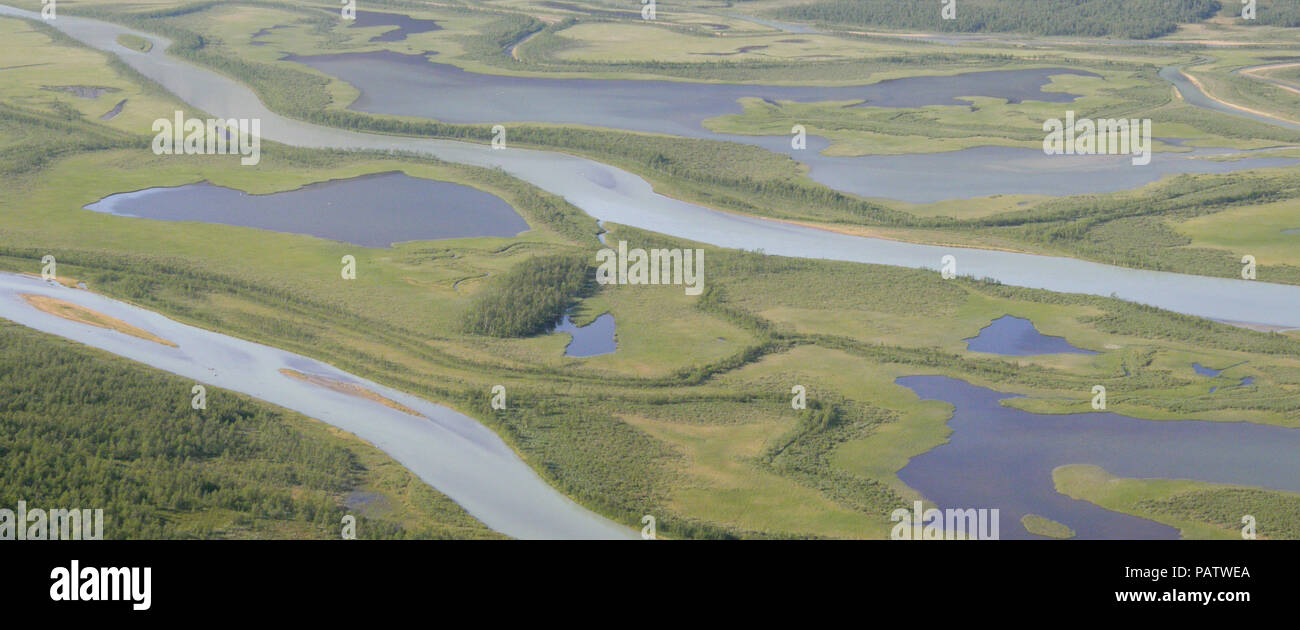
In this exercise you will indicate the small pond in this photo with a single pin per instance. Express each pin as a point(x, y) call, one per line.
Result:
point(1015, 336)
point(591, 340)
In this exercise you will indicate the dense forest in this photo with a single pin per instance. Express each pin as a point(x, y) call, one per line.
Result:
point(80, 429)
point(1131, 19)
point(529, 299)
point(1276, 13)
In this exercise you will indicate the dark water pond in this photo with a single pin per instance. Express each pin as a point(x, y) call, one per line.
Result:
point(999, 457)
point(263, 33)
point(81, 91)
point(405, 25)
point(1015, 336)
point(591, 340)
point(1213, 373)
point(371, 211)
point(1204, 371)
point(112, 113)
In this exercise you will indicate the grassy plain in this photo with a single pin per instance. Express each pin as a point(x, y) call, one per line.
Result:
point(690, 420)
point(1044, 526)
point(483, 36)
point(1199, 510)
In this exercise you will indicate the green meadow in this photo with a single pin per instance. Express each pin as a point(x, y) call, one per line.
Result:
point(691, 418)
point(1199, 510)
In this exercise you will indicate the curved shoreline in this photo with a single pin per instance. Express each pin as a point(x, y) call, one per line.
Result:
point(611, 194)
point(446, 449)
point(1253, 113)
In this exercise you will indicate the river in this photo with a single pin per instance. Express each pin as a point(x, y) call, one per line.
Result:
point(448, 450)
point(612, 194)
point(493, 485)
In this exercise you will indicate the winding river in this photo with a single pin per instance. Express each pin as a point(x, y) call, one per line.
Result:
point(448, 450)
point(612, 194)
point(454, 453)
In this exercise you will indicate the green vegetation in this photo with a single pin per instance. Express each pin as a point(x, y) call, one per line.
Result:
point(1277, 514)
point(135, 43)
point(1137, 229)
point(690, 420)
point(1274, 13)
point(1133, 19)
point(1198, 509)
point(1044, 526)
point(82, 429)
point(529, 299)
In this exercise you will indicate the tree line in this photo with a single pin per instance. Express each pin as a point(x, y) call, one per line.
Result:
point(1128, 19)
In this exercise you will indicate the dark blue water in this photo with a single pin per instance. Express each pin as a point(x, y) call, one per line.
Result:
point(405, 25)
point(999, 457)
point(1015, 336)
point(1213, 373)
point(253, 39)
point(593, 339)
point(371, 211)
point(112, 113)
point(1204, 371)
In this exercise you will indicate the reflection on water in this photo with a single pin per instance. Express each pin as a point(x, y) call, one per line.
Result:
point(371, 211)
point(999, 457)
